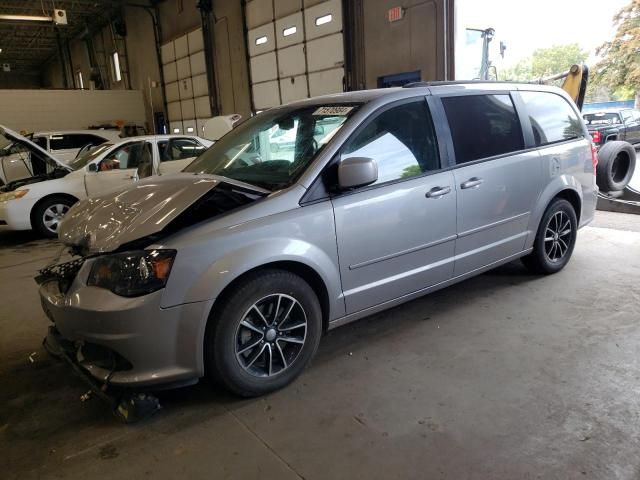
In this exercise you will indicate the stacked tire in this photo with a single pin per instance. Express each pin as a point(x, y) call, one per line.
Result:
point(616, 164)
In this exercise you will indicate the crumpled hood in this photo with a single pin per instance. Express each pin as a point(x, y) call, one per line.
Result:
point(102, 224)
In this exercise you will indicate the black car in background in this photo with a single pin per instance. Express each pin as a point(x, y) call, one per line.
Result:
point(616, 135)
point(608, 125)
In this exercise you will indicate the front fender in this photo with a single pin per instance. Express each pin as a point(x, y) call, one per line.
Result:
point(553, 188)
point(234, 264)
point(209, 257)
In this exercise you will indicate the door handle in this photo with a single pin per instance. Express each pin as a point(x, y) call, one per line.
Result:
point(437, 192)
point(473, 182)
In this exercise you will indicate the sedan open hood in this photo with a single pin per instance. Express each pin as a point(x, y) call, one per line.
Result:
point(104, 224)
point(8, 136)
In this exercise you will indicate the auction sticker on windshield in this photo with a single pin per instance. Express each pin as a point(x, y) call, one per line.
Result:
point(336, 110)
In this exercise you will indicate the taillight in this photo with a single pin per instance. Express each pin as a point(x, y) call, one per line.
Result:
point(594, 157)
point(597, 136)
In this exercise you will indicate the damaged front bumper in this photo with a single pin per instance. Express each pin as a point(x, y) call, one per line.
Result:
point(121, 342)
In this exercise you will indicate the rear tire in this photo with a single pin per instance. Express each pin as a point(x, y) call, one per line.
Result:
point(616, 164)
point(555, 239)
point(46, 216)
point(264, 333)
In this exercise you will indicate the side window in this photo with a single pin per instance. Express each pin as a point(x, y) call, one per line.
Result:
point(60, 142)
point(483, 126)
point(132, 155)
point(401, 140)
point(179, 149)
point(552, 118)
point(41, 142)
point(87, 139)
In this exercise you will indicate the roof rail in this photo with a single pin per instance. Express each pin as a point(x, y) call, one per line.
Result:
point(456, 82)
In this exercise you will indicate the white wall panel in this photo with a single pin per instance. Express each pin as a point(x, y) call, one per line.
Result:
point(170, 72)
point(168, 53)
point(312, 14)
point(172, 91)
point(263, 67)
point(182, 47)
point(259, 12)
point(189, 127)
point(291, 61)
point(198, 63)
point(195, 41)
point(186, 88)
point(327, 81)
point(266, 95)
point(203, 108)
point(286, 25)
point(325, 52)
point(184, 68)
point(175, 127)
point(174, 112)
point(294, 88)
point(188, 109)
point(200, 86)
point(255, 37)
point(287, 7)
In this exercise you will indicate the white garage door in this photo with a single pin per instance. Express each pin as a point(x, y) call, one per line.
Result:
point(186, 88)
point(296, 49)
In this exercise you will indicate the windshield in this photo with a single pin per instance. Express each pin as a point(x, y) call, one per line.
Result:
point(273, 148)
point(84, 158)
point(601, 118)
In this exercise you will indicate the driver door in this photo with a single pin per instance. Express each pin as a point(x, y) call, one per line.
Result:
point(120, 168)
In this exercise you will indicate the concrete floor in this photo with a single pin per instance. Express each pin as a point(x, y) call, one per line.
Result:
point(505, 376)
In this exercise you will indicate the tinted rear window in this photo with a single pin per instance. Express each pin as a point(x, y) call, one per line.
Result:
point(552, 118)
point(483, 126)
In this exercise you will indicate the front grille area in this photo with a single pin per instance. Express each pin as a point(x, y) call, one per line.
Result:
point(63, 273)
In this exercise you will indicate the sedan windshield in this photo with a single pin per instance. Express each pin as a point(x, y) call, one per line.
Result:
point(88, 156)
point(272, 149)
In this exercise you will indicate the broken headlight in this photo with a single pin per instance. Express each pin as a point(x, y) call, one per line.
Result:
point(131, 274)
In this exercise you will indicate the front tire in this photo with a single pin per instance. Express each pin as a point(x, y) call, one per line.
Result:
point(47, 215)
point(555, 239)
point(264, 334)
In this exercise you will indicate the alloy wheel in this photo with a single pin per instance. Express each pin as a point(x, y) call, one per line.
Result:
point(271, 335)
point(557, 236)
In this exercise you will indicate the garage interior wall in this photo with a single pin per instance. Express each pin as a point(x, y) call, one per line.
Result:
point(178, 19)
point(422, 41)
point(265, 52)
point(296, 49)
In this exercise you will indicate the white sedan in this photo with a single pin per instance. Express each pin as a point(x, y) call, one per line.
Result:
point(39, 189)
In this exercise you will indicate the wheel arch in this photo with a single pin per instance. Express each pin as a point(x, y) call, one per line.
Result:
point(36, 205)
point(564, 186)
point(307, 273)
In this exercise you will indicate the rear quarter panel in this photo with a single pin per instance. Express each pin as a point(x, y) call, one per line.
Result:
point(566, 166)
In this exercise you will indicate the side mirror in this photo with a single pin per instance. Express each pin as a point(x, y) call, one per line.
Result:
point(318, 130)
point(357, 172)
point(92, 167)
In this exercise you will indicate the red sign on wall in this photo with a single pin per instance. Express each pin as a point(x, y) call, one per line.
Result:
point(394, 14)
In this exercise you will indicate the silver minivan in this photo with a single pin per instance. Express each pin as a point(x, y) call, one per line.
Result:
point(236, 266)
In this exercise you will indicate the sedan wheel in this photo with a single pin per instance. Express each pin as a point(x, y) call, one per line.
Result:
point(52, 216)
point(47, 214)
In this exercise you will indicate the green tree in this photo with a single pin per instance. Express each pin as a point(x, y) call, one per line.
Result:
point(620, 65)
point(546, 61)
